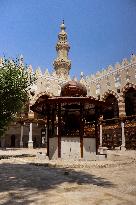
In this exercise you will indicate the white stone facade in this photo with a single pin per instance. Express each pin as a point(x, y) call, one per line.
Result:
point(111, 80)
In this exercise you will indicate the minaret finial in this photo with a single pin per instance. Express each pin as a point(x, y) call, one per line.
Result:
point(62, 26)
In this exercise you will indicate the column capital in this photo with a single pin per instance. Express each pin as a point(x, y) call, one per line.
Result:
point(101, 119)
point(123, 118)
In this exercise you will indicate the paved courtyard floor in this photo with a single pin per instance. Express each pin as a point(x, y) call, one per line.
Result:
point(33, 181)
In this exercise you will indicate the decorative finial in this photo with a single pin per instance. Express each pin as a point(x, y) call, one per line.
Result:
point(63, 27)
point(81, 74)
point(21, 57)
point(21, 60)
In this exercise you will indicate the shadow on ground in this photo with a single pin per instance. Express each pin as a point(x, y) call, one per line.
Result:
point(9, 149)
point(22, 181)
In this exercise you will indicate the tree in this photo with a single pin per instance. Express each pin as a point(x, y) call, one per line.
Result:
point(14, 83)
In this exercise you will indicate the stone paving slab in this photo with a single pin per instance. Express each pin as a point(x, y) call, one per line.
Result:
point(20, 151)
point(22, 182)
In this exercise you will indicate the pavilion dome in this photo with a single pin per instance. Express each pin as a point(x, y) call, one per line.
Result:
point(73, 89)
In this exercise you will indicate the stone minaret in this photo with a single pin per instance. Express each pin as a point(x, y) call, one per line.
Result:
point(62, 64)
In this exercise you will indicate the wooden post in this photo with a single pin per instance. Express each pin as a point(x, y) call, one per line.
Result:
point(81, 132)
point(48, 115)
point(96, 129)
point(53, 112)
point(59, 130)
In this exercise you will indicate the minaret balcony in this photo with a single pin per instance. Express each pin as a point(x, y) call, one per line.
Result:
point(62, 45)
point(59, 63)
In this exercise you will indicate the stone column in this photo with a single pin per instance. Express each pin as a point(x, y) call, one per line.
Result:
point(100, 128)
point(21, 136)
point(57, 130)
point(30, 142)
point(102, 150)
point(100, 135)
point(123, 137)
point(121, 105)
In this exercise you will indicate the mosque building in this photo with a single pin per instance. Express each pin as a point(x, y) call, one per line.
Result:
point(110, 95)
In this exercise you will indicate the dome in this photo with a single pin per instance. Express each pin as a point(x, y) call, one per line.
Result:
point(73, 89)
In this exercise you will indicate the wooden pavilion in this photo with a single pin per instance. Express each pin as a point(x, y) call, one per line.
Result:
point(70, 117)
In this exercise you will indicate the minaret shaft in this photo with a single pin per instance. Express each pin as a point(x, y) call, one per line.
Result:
point(62, 64)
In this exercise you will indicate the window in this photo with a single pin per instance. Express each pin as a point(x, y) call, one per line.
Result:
point(117, 80)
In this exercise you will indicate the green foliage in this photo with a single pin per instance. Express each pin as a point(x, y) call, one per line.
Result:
point(14, 82)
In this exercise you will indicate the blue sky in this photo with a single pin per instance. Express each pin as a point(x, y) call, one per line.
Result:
point(100, 32)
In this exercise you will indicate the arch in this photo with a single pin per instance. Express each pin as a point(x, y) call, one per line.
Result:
point(112, 108)
point(109, 92)
point(126, 88)
point(39, 95)
point(124, 92)
point(130, 101)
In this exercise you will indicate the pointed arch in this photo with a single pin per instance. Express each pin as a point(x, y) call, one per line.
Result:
point(129, 98)
point(39, 95)
point(126, 88)
point(109, 92)
point(112, 109)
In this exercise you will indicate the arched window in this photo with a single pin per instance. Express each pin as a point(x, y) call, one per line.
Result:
point(111, 110)
point(98, 87)
point(130, 102)
point(117, 80)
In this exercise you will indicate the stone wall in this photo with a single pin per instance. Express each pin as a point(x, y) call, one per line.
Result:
point(113, 78)
point(15, 130)
point(130, 135)
point(70, 148)
point(89, 148)
point(53, 151)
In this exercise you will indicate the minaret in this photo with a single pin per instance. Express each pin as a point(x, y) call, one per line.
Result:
point(62, 64)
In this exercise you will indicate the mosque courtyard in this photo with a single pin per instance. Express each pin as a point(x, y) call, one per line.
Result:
point(26, 178)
